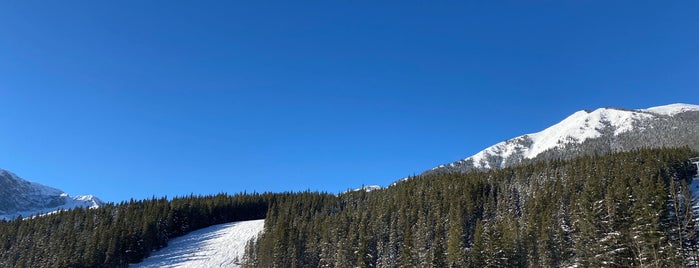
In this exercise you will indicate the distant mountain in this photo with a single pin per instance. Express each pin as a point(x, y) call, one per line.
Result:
point(604, 130)
point(366, 188)
point(19, 197)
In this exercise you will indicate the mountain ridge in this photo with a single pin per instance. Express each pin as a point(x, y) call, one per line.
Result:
point(19, 197)
point(589, 131)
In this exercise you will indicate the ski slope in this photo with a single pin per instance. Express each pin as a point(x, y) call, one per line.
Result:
point(216, 246)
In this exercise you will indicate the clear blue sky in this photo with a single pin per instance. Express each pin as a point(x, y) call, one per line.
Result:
point(126, 99)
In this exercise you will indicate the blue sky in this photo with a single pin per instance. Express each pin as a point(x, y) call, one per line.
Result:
point(136, 99)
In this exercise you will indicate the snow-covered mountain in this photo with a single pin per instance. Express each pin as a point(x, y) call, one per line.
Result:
point(366, 188)
point(19, 197)
point(586, 132)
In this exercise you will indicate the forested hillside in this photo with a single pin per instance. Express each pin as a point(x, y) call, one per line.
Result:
point(116, 235)
point(616, 210)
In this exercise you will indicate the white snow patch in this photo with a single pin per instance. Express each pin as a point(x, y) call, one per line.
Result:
point(582, 126)
point(80, 201)
point(504, 149)
point(43, 199)
point(368, 188)
point(672, 109)
point(220, 245)
point(84, 201)
point(577, 128)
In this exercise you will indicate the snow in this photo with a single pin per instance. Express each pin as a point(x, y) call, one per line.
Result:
point(37, 189)
point(582, 126)
point(39, 199)
point(672, 109)
point(216, 246)
point(45, 190)
point(504, 149)
point(367, 188)
point(577, 128)
point(83, 201)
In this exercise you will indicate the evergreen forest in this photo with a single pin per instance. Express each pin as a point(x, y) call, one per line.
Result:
point(627, 209)
point(118, 234)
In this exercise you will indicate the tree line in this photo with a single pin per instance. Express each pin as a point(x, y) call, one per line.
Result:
point(614, 210)
point(118, 234)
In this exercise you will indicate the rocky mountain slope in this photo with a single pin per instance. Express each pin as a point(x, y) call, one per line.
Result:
point(19, 197)
point(600, 131)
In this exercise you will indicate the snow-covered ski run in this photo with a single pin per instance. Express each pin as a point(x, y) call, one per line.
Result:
point(216, 246)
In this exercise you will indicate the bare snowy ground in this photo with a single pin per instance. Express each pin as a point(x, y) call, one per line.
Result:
point(216, 246)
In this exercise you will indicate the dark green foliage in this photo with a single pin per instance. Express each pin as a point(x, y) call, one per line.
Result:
point(617, 210)
point(115, 235)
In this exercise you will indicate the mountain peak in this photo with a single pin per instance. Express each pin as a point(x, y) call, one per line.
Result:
point(581, 126)
point(577, 128)
point(19, 197)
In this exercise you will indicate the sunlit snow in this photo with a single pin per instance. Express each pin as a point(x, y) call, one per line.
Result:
point(367, 188)
point(216, 246)
point(673, 109)
point(39, 199)
point(577, 128)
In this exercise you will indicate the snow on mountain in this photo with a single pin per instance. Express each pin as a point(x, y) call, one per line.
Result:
point(19, 197)
point(366, 188)
point(369, 188)
point(84, 201)
point(575, 129)
point(581, 126)
point(216, 246)
point(672, 109)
